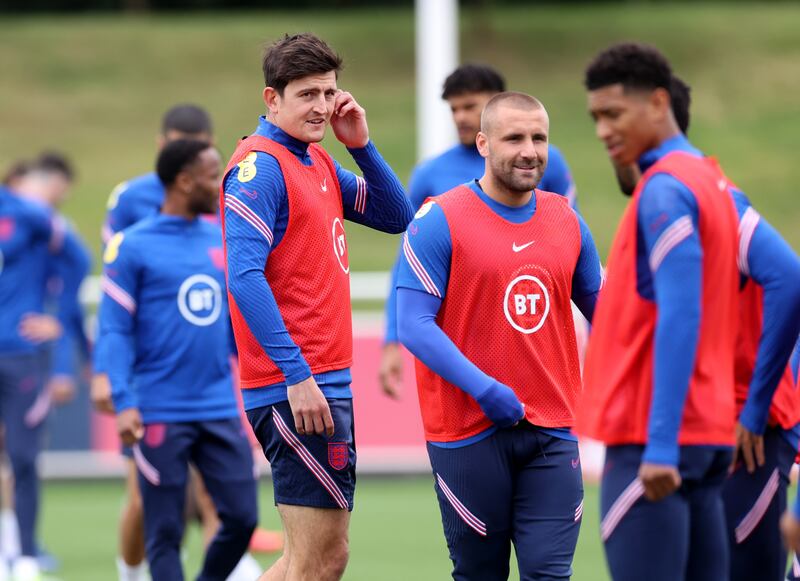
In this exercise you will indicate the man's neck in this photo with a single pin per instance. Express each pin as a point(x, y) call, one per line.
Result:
point(175, 206)
point(503, 195)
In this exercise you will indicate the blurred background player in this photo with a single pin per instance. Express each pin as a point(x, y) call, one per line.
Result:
point(284, 203)
point(488, 272)
point(466, 90)
point(130, 202)
point(142, 196)
point(659, 371)
point(32, 241)
point(164, 320)
point(754, 494)
point(46, 180)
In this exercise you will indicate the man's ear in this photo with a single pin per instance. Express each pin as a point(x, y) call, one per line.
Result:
point(482, 142)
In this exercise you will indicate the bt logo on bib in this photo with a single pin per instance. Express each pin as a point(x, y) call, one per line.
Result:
point(526, 304)
point(200, 300)
point(340, 245)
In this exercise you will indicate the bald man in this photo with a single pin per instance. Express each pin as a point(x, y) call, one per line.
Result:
point(483, 293)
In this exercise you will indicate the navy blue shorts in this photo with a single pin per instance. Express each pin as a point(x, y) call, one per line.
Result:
point(308, 470)
point(754, 504)
point(218, 448)
point(518, 486)
point(680, 537)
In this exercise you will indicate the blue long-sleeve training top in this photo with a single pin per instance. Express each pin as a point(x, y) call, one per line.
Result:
point(31, 246)
point(385, 208)
point(456, 166)
point(417, 328)
point(164, 321)
point(669, 269)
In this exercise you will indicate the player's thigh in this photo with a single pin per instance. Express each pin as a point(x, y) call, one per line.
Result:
point(224, 465)
point(162, 455)
point(642, 539)
point(308, 469)
point(548, 505)
point(25, 405)
point(222, 451)
point(753, 505)
point(474, 488)
point(314, 532)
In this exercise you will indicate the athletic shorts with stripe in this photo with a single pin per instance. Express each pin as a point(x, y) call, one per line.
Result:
point(681, 537)
point(754, 504)
point(308, 470)
point(518, 486)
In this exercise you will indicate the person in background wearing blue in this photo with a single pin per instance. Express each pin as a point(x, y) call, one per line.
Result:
point(164, 318)
point(46, 181)
point(33, 241)
point(130, 202)
point(466, 90)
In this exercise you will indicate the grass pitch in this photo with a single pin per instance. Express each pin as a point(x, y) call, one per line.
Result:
point(396, 533)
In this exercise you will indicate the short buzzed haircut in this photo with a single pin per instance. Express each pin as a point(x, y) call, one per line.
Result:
point(186, 118)
point(511, 99)
point(176, 156)
point(680, 95)
point(473, 78)
point(633, 65)
point(297, 56)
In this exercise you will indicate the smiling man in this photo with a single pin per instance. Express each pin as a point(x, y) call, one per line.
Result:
point(284, 202)
point(483, 294)
point(466, 90)
point(659, 374)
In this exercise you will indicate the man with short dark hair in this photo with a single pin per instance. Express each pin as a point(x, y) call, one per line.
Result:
point(488, 272)
point(164, 321)
point(659, 374)
point(284, 203)
point(466, 90)
point(754, 494)
point(142, 196)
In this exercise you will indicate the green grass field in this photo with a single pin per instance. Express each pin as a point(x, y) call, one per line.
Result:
point(96, 87)
point(396, 534)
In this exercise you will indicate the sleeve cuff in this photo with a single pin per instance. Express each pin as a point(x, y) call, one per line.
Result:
point(298, 375)
point(754, 420)
point(366, 152)
point(667, 454)
point(123, 401)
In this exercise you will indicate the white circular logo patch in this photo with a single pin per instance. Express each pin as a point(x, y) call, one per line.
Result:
point(526, 304)
point(340, 245)
point(200, 300)
point(424, 209)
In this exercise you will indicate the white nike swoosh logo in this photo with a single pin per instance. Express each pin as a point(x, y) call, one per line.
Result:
point(516, 248)
point(324, 185)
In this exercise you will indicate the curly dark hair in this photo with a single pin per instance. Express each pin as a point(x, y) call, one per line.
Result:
point(680, 95)
point(633, 65)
